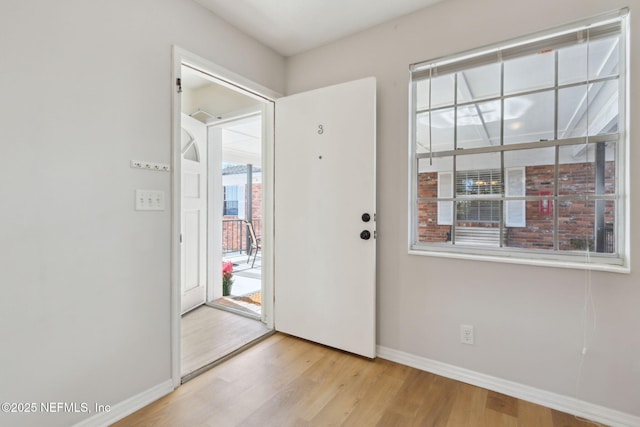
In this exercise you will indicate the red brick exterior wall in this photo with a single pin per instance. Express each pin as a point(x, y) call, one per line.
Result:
point(234, 232)
point(575, 217)
point(428, 228)
point(256, 208)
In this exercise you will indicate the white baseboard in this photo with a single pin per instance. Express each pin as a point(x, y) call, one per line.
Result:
point(559, 402)
point(127, 407)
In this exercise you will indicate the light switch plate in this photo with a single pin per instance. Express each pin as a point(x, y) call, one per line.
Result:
point(149, 200)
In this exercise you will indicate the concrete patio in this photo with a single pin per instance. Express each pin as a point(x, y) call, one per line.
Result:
point(247, 286)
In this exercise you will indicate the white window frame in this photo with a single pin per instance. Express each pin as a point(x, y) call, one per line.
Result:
point(515, 211)
point(240, 199)
point(617, 262)
point(445, 191)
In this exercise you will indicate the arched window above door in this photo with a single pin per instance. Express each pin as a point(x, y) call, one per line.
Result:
point(189, 147)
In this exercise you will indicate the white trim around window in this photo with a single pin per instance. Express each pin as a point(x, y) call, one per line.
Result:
point(558, 135)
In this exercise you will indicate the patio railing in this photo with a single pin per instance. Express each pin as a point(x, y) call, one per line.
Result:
point(235, 237)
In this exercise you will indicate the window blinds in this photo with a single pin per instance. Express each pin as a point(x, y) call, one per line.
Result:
point(516, 49)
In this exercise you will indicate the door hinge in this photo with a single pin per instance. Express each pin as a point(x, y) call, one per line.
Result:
point(179, 85)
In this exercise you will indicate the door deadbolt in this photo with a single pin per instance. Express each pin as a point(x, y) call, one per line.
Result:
point(365, 235)
point(366, 217)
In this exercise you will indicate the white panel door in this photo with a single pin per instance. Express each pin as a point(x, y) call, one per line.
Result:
point(194, 213)
point(324, 183)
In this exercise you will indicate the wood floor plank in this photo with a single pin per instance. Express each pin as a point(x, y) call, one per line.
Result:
point(330, 375)
point(287, 382)
point(411, 398)
point(354, 383)
point(373, 406)
point(532, 415)
point(438, 403)
point(402, 406)
point(209, 334)
point(265, 385)
point(469, 406)
point(502, 403)
point(495, 418)
point(282, 408)
point(391, 417)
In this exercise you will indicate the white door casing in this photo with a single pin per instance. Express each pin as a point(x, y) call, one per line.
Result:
point(324, 182)
point(194, 213)
point(234, 81)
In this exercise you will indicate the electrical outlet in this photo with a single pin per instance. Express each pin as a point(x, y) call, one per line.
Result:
point(466, 334)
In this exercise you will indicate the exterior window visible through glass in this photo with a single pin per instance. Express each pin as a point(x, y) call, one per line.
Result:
point(474, 185)
point(230, 205)
point(519, 148)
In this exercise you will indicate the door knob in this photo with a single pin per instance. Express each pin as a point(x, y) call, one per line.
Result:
point(366, 217)
point(365, 235)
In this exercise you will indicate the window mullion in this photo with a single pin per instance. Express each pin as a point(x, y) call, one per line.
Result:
point(556, 230)
point(503, 230)
point(455, 167)
point(521, 93)
point(611, 137)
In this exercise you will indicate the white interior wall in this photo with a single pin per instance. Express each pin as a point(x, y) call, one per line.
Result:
point(86, 87)
point(528, 320)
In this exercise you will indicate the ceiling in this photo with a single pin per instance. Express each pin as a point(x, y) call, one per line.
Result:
point(235, 114)
point(293, 26)
point(217, 102)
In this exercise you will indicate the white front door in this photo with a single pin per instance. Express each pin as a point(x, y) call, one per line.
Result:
point(194, 213)
point(324, 190)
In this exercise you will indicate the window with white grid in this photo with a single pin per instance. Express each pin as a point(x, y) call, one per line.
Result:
point(520, 147)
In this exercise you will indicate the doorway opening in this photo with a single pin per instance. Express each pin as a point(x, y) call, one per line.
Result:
point(224, 220)
point(240, 137)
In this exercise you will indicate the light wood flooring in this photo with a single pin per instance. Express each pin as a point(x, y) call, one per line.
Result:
point(284, 381)
point(209, 334)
